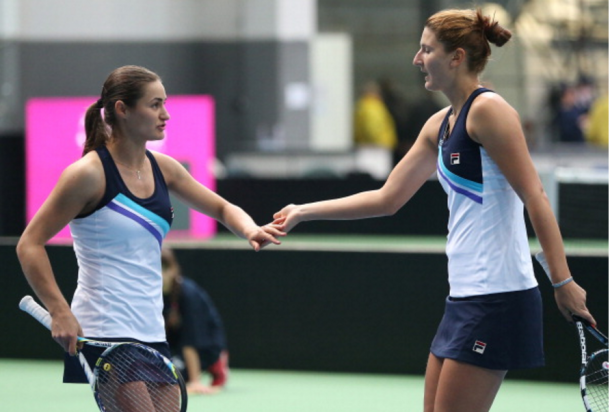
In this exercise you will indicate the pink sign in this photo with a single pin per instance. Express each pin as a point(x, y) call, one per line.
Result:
point(55, 135)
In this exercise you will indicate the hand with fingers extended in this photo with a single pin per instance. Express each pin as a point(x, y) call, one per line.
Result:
point(287, 218)
point(262, 236)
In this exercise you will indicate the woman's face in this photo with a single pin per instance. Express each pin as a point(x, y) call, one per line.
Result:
point(432, 59)
point(147, 119)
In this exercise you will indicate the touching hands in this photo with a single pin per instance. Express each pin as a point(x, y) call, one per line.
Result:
point(287, 218)
point(263, 236)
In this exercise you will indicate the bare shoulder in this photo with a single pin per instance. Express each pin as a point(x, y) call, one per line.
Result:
point(492, 119)
point(82, 184)
point(169, 166)
point(86, 172)
point(163, 160)
point(487, 104)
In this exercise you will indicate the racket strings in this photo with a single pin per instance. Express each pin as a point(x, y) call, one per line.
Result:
point(596, 380)
point(132, 379)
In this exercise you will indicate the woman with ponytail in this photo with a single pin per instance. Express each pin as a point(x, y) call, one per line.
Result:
point(493, 314)
point(116, 201)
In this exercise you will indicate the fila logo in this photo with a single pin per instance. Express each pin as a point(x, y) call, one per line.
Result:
point(455, 158)
point(479, 347)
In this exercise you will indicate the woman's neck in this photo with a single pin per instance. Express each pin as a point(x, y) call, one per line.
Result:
point(459, 95)
point(127, 153)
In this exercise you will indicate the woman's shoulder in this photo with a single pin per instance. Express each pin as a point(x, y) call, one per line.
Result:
point(85, 177)
point(489, 102)
point(162, 159)
point(87, 167)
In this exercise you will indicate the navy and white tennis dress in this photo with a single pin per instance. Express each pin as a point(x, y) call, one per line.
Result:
point(118, 249)
point(493, 315)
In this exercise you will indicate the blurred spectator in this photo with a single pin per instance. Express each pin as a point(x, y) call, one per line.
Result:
point(597, 122)
point(570, 116)
point(374, 133)
point(585, 93)
point(195, 331)
point(419, 113)
point(398, 106)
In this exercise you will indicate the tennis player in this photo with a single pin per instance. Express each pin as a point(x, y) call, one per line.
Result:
point(116, 201)
point(493, 315)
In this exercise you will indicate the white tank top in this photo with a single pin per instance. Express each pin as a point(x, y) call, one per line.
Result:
point(118, 249)
point(487, 244)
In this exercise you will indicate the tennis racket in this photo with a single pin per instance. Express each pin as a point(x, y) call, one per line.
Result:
point(127, 377)
point(593, 367)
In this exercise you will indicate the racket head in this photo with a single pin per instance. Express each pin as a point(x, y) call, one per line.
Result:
point(594, 382)
point(133, 377)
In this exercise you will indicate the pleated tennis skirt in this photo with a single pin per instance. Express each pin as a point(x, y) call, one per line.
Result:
point(500, 331)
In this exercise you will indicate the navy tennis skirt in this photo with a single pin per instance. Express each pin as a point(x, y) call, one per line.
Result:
point(73, 371)
point(499, 331)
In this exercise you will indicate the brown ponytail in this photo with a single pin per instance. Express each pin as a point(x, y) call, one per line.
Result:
point(125, 84)
point(95, 129)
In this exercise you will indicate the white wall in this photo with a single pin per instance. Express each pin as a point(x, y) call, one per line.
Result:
point(57, 20)
point(331, 81)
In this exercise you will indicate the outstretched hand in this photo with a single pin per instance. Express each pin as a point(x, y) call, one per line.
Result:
point(287, 218)
point(264, 236)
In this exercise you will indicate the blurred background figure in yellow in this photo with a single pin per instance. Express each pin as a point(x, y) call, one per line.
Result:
point(374, 133)
point(596, 131)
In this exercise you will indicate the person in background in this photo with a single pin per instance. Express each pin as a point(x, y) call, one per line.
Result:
point(596, 130)
point(570, 117)
point(398, 106)
point(374, 133)
point(195, 331)
point(116, 200)
point(493, 314)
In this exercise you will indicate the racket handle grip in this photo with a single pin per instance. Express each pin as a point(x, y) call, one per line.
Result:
point(29, 305)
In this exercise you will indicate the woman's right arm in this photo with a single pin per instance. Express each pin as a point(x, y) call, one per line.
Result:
point(402, 183)
point(76, 192)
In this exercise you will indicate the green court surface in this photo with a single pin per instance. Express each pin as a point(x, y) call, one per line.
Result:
point(374, 243)
point(33, 386)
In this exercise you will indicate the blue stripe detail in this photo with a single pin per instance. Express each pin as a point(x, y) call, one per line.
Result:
point(156, 219)
point(459, 190)
point(119, 209)
point(477, 187)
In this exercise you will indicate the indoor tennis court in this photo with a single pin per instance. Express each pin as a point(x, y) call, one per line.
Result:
point(263, 96)
point(270, 391)
point(285, 369)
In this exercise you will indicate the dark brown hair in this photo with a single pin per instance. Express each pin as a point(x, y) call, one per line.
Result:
point(125, 84)
point(471, 31)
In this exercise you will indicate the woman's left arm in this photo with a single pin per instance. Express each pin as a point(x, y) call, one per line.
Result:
point(195, 195)
point(496, 125)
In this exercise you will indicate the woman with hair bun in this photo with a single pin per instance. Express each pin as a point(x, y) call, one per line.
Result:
point(493, 314)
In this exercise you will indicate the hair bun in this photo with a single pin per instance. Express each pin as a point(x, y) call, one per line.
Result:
point(494, 33)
